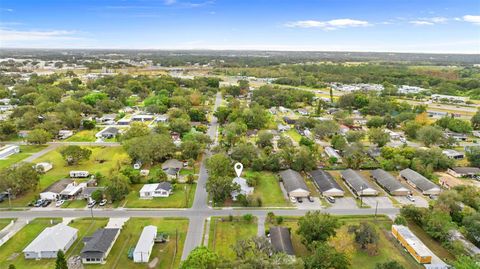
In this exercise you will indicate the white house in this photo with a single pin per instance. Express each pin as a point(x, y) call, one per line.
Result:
point(50, 241)
point(244, 188)
point(145, 244)
point(162, 189)
point(44, 166)
point(76, 174)
point(8, 150)
point(64, 134)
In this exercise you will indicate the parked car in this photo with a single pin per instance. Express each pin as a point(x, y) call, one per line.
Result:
point(293, 200)
point(299, 199)
point(330, 199)
point(92, 204)
point(38, 203)
point(3, 196)
point(59, 203)
point(411, 198)
point(46, 203)
point(103, 202)
point(310, 198)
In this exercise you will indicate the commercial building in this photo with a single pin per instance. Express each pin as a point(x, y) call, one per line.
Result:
point(464, 171)
point(294, 184)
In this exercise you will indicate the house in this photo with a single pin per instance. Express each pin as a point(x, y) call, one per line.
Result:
point(124, 121)
point(412, 244)
point(464, 171)
point(325, 183)
point(302, 111)
point(281, 240)
point(453, 154)
point(145, 243)
point(294, 184)
point(476, 133)
point(142, 118)
point(79, 174)
point(420, 182)
point(457, 136)
point(8, 150)
point(162, 118)
point(332, 153)
point(64, 134)
point(108, 132)
point(50, 241)
point(44, 166)
point(98, 246)
point(162, 189)
point(107, 119)
point(244, 188)
point(172, 167)
point(389, 183)
point(53, 191)
point(283, 128)
point(357, 183)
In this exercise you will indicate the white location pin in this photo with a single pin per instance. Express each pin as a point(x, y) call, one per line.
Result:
point(238, 169)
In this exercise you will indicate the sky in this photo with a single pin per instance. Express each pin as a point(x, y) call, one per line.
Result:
point(429, 26)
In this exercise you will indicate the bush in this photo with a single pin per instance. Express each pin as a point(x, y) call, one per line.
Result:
point(399, 220)
point(279, 219)
point(248, 218)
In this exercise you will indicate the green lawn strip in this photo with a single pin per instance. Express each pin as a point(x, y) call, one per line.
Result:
point(25, 152)
point(75, 203)
point(224, 234)
point(180, 198)
point(11, 251)
point(268, 189)
point(84, 136)
point(128, 238)
point(4, 223)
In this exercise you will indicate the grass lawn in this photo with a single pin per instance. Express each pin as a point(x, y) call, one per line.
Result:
point(294, 135)
point(11, 251)
point(224, 234)
point(103, 160)
point(268, 189)
point(167, 255)
point(178, 199)
point(84, 136)
point(25, 151)
point(4, 223)
point(75, 203)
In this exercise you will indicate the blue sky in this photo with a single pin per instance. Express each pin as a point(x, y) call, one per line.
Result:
point(444, 26)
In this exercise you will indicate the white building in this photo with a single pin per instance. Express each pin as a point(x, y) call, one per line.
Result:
point(64, 134)
point(44, 166)
point(50, 241)
point(162, 189)
point(76, 174)
point(8, 150)
point(145, 244)
point(405, 89)
point(448, 98)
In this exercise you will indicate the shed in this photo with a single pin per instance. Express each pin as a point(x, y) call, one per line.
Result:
point(357, 183)
point(294, 183)
point(325, 183)
point(420, 182)
point(389, 182)
point(280, 239)
point(50, 241)
point(145, 244)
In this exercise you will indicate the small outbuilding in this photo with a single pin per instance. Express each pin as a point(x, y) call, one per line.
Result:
point(45, 167)
point(357, 183)
point(294, 184)
point(47, 244)
point(420, 182)
point(325, 183)
point(389, 182)
point(145, 244)
point(281, 240)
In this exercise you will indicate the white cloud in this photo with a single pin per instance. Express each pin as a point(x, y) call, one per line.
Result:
point(169, 2)
point(438, 19)
point(328, 25)
point(421, 22)
point(472, 18)
point(429, 21)
point(8, 35)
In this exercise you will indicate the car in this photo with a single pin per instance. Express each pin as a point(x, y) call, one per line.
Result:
point(299, 199)
point(410, 198)
point(310, 198)
point(103, 202)
point(3, 196)
point(59, 203)
point(330, 199)
point(433, 197)
point(92, 204)
point(293, 200)
point(46, 203)
point(38, 203)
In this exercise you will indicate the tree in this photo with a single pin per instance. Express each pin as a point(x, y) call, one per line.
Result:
point(137, 129)
point(97, 195)
point(219, 165)
point(11, 266)
point(365, 234)
point(191, 149)
point(73, 154)
point(400, 220)
point(317, 227)
point(304, 160)
point(61, 262)
point(220, 188)
point(378, 136)
point(430, 135)
point(389, 265)
point(343, 242)
point(338, 142)
point(244, 153)
point(117, 187)
point(326, 128)
point(201, 258)
point(39, 136)
point(473, 156)
point(354, 136)
point(88, 124)
point(19, 178)
point(264, 139)
point(150, 148)
point(375, 122)
point(180, 125)
point(472, 227)
point(324, 256)
point(8, 130)
point(476, 120)
point(465, 262)
point(411, 128)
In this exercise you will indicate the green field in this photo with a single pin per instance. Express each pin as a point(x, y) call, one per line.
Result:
point(180, 198)
point(103, 160)
point(25, 151)
point(294, 135)
point(83, 136)
point(168, 256)
point(4, 223)
point(224, 234)
point(11, 251)
point(268, 189)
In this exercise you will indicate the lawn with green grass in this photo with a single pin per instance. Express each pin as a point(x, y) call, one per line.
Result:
point(11, 251)
point(4, 223)
point(294, 135)
point(25, 151)
point(182, 197)
point(103, 160)
point(268, 189)
point(224, 234)
point(168, 256)
point(75, 203)
point(84, 136)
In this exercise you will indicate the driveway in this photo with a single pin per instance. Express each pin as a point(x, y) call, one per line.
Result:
point(307, 205)
point(419, 201)
point(344, 203)
point(383, 202)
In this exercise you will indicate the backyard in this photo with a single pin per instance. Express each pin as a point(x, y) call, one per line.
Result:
point(25, 151)
point(268, 188)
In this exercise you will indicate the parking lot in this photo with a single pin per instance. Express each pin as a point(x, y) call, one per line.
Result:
point(344, 203)
point(419, 201)
point(306, 204)
point(383, 202)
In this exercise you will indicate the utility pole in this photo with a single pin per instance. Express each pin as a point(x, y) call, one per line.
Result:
point(376, 207)
point(9, 190)
point(91, 212)
point(361, 196)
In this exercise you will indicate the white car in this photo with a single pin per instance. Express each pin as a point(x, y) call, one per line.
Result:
point(293, 199)
point(92, 204)
point(59, 203)
point(103, 202)
point(410, 198)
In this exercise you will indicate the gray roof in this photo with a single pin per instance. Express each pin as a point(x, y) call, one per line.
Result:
point(89, 190)
point(52, 239)
point(292, 180)
point(466, 170)
point(281, 241)
point(355, 180)
point(387, 181)
point(420, 181)
point(164, 185)
point(111, 130)
point(324, 180)
point(58, 186)
point(99, 242)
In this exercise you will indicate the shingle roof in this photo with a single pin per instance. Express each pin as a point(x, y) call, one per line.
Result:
point(281, 241)
point(58, 186)
point(52, 238)
point(466, 170)
point(387, 181)
point(324, 180)
point(100, 241)
point(164, 185)
point(355, 180)
point(292, 180)
point(420, 181)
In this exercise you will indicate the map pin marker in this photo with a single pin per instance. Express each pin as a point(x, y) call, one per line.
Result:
point(238, 169)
